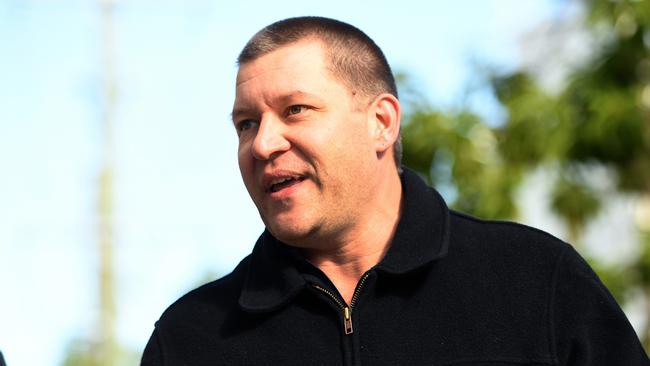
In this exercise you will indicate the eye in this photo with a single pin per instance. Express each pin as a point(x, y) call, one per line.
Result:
point(295, 109)
point(245, 125)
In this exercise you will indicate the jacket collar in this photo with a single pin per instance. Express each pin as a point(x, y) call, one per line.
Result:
point(422, 233)
point(422, 236)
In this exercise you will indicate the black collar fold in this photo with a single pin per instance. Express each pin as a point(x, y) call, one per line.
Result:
point(422, 233)
point(422, 236)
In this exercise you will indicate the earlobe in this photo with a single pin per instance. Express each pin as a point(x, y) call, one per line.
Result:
point(386, 121)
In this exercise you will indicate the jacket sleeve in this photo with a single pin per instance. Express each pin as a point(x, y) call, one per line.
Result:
point(152, 355)
point(590, 329)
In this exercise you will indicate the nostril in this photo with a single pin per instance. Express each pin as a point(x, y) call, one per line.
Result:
point(266, 145)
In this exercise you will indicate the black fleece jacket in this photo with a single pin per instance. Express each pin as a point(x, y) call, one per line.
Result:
point(452, 290)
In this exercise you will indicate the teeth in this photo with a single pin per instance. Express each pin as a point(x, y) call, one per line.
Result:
point(281, 180)
point(276, 184)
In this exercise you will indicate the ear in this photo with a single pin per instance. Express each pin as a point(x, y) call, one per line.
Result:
point(384, 115)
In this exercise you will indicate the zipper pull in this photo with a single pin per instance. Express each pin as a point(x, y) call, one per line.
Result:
point(347, 320)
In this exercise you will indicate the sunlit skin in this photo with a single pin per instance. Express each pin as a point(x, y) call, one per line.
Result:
point(296, 121)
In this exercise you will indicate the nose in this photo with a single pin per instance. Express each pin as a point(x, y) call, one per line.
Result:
point(270, 139)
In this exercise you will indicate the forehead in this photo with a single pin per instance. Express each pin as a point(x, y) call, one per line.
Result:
point(300, 67)
point(302, 56)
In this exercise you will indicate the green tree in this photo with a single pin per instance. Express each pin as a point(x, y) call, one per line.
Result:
point(599, 119)
point(82, 352)
point(458, 153)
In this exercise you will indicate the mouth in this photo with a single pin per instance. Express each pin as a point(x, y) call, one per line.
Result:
point(281, 183)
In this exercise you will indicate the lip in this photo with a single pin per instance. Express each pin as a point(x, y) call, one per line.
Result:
point(271, 180)
point(286, 192)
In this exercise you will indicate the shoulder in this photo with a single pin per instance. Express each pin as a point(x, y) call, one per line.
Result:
point(195, 329)
point(504, 239)
point(516, 261)
point(209, 303)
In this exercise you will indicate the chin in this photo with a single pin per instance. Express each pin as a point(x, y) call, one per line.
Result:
point(289, 233)
point(288, 236)
point(293, 226)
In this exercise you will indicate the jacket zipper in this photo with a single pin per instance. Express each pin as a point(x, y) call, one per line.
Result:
point(347, 310)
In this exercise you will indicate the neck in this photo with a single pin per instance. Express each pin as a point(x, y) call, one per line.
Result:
point(366, 245)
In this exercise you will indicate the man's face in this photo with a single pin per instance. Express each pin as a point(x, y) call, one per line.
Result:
point(306, 153)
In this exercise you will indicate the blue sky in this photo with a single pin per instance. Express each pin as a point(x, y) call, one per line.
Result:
point(181, 211)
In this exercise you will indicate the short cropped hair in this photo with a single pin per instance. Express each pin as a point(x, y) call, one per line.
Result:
point(354, 57)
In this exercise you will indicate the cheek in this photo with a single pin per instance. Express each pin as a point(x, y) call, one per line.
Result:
point(353, 143)
point(244, 151)
point(245, 161)
point(338, 135)
point(241, 160)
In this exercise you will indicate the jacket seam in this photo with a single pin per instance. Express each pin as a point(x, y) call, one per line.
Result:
point(159, 341)
point(503, 222)
point(509, 360)
point(445, 213)
point(552, 336)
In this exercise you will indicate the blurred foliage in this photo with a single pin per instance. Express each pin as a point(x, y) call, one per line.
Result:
point(86, 352)
point(577, 203)
point(601, 115)
point(460, 151)
point(598, 119)
point(82, 352)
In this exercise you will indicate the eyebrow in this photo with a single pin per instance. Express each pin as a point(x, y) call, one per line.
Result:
point(237, 112)
point(282, 99)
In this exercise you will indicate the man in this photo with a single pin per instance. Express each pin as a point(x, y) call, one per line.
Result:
point(361, 262)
